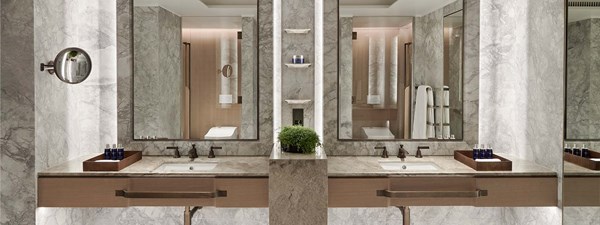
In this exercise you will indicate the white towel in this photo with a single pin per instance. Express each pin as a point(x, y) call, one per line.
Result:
point(446, 112)
point(430, 114)
point(595, 159)
point(423, 114)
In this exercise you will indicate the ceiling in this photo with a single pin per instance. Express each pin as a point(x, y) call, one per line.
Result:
point(248, 7)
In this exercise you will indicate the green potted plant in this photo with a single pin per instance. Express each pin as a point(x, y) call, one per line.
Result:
point(298, 139)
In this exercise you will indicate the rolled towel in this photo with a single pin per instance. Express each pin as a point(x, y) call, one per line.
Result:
point(595, 159)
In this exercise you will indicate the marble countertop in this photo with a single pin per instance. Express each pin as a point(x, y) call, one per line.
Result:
point(573, 170)
point(228, 166)
point(258, 166)
point(363, 166)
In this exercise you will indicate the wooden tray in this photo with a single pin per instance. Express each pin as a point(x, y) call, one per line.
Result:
point(466, 157)
point(584, 162)
point(130, 158)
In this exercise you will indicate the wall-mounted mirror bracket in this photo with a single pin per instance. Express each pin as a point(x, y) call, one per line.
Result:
point(48, 67)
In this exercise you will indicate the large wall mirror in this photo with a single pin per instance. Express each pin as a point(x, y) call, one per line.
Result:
point(581, 183)
point(195, 70)
point(400, 71)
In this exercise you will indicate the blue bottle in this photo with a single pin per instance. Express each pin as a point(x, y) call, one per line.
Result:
point(120, 152)
point(585, 152)
point(568, 149)
point(489, 153)
point(107, 153)
point(476, 151)
point(576, 151)
point(114, 152)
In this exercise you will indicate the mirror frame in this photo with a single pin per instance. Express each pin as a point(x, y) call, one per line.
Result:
point(132, 94)
point(412, 84)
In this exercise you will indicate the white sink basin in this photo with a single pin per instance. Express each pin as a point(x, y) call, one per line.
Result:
point(409, 166)
point(182, 167)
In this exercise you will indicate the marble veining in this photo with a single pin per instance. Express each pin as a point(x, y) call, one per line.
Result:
point(248, 129)
point(157, 67)
point(297, 189)
point(345, 78)
point(297, 83)
point(17, 115)
point(583, 112)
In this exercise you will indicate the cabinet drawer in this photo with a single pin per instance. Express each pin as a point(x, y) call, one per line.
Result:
point(156, 192)
point(81, 192)
point(448, 191)
point(581, 191)
point(243, 192)
point(517, 192)
point(357, 192)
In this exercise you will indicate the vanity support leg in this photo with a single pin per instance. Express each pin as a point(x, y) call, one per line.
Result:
point(405, 210)
point(189, 214)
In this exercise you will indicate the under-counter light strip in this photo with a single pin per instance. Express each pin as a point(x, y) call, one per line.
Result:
point(276, 69)
point(319, 68)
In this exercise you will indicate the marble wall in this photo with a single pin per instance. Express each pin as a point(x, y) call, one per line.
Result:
point(345, 78)
point(73, 120)
point(521, 65)
point(298, 83)
point(158, 80)
point(17, 113)
point(249, 78)
point(583, 80)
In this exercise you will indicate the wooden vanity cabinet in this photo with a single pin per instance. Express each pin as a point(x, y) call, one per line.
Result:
point(152, 191)
point(443, 191)
point(581, 191)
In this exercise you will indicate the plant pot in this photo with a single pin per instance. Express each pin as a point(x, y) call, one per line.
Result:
point(291, 149)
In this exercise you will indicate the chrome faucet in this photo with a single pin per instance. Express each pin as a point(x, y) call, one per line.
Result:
point(419, 153)
point(384, 153)
point(175, 151)
point(211, 153)
point(402, 153)
point(193, 153)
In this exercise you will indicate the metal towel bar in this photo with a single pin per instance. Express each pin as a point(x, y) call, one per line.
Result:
point(131, 194)
point(432, 194)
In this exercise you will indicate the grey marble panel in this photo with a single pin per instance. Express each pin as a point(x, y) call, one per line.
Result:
point(262, 146)
point(345, 78)
point(17, 115)
point(583, 64)
point(158, 75)
point(429, 49)
point(249, 79)
point(297, 83)
point(298, 191)
point(470, 83)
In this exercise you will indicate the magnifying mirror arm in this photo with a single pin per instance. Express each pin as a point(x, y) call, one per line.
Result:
point(49, 67)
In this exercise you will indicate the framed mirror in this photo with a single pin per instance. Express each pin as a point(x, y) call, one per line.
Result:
point(400, 72)
point(195, 70)
point(581, 182)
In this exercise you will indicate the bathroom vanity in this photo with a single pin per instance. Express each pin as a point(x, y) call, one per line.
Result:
point(232, 182)
point(363, 182)
point(359, 181)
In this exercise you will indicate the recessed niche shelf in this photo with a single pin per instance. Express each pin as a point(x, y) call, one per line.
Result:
point(297, 101)
point(303, 65)
point(297, 31)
